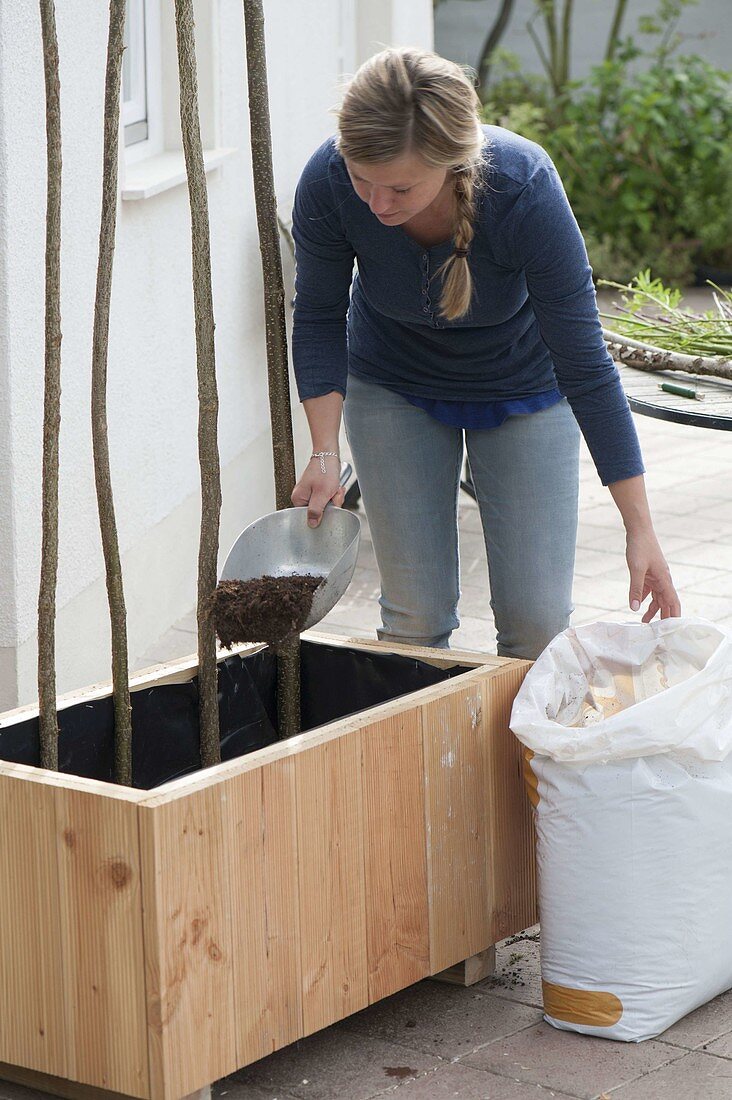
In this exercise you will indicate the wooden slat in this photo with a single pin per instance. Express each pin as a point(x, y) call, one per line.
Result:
point(397, 924)
point(440, 658)
point(100, 916)
point(32, 1024)
point(456, 826)
point(44, 777)
point(262, 871)
point(511, 852)
point(334, 731)
point(188, 943)
point(331, 881)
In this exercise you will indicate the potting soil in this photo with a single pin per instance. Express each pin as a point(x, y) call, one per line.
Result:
point(264, 609)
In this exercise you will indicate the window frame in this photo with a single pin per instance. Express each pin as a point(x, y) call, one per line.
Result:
point(142, 115)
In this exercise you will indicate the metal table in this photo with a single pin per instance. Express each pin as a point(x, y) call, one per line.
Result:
point(644, 397)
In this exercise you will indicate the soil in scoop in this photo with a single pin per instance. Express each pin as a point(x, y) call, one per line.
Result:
point(265, 609)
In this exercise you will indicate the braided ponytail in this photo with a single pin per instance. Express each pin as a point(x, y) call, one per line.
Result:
point(457, 280)
point(408, 99)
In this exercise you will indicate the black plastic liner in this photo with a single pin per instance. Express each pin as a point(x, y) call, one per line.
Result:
point(336, 682)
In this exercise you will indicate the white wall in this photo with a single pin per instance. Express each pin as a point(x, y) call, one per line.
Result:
point(152, 374)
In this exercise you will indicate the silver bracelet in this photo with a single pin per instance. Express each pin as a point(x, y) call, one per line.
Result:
point(322, 455)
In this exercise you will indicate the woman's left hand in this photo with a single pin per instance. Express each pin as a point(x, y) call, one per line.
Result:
point(650, 575)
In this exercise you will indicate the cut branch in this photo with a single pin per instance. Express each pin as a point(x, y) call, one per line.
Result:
point(288, 662)
point(645, 357)
point(208, 401)
point(47, 716)
point(100, 437)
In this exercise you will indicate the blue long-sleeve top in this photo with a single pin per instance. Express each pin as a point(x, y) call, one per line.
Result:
point(533, 324)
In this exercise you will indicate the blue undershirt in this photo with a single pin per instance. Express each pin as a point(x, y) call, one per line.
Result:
point(483, 414)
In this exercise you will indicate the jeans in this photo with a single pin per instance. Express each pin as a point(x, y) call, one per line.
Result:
point(526, 477)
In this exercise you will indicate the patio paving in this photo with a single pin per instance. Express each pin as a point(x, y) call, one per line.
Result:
point(489, 1041)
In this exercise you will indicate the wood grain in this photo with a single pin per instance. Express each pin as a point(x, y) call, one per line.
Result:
point(397, 924)
point(262, 871)
point(331, 881)
point(100, 924)
point(188, 941)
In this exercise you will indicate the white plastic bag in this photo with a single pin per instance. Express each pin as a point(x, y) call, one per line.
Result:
point(628, 728)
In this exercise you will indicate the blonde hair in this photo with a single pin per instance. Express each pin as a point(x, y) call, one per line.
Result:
point(408, 100)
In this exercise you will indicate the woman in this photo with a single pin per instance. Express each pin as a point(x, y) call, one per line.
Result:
point(472, 317)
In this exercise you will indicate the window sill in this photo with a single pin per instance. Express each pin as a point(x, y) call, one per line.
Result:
point(159, 173)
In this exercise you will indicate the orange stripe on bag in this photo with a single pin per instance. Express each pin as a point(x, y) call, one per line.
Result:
point(531, 780)
point(581, 1006)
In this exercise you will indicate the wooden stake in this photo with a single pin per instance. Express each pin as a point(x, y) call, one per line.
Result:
point(100, 436)
point(208, 401)
point(48, 720)
point(288, 660)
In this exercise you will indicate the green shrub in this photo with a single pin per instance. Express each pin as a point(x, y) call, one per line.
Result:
point(645, 157)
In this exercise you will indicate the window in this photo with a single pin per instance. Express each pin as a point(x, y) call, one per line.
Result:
point(153, 156)
point(134, 74)
point(141, 80)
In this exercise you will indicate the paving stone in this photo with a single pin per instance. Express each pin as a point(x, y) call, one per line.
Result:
point(10, 1091)
point(597, 562)
point(584, 613)
point(602, 515)
point(363, 616)
point(518, 969)
point(706, 528)
point(475, 602)
point(717, 583)
point(601, 592)
point(706, 606)
point(686, 577)
point(446, 1020)
point(596, 537)
point(711, 554)
point(582, 1065)
point(715, 509)
point(716, 488)
point(470, 519)
point(459, 1082)
point(696, 1076)
point(721, 1046)
point(676, 546)
point(331, 1065)
point(475, 633)
point(592, 491)
point(229, 1089)
point(702, 1025)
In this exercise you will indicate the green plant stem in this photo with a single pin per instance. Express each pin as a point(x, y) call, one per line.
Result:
point(614, 35)
point(493, 38)
point(566, 41)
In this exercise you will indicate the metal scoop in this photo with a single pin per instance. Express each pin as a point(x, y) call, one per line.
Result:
point(281, 544)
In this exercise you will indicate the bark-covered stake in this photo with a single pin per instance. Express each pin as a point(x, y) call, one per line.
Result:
point(208, 401)
point(100, 437)
point(47, 716)
point(288, 653)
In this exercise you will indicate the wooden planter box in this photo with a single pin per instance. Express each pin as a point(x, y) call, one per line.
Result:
point(153, 941)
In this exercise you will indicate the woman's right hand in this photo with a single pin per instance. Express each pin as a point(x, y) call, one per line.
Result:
point(315, 489)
